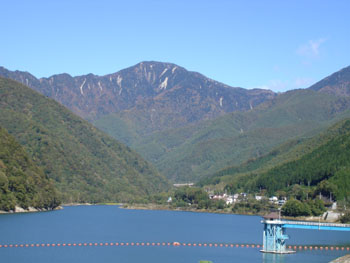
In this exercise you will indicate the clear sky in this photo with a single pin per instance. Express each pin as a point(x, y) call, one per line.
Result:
point(278, 45)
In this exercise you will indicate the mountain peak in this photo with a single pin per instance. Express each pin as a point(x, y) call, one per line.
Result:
point(336, 84)
point(164, 95)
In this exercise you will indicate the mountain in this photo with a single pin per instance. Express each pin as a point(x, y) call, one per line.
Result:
point(286, 152)
point(86, 164)
point(321, 161)
point(147, 97)
point(189, 126)
point(336, 84)
point(193, 152)
point(22, 183)
point(327, 166)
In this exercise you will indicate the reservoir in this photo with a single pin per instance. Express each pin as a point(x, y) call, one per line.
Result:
point(111, 224)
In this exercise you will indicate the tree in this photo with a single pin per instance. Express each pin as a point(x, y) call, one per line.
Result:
point(327, 188)
point(317, 207)
point(298, 192)
point(295, 208)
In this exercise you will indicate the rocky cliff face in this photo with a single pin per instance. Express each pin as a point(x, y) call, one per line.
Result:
point(163, 95)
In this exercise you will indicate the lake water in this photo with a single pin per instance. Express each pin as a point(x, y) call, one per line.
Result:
point(112, 224)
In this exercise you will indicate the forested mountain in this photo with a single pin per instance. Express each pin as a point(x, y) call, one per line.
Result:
point(321, 162)
point(22, 183)
point(86, 164)
point(189, 126)
point(196, 151)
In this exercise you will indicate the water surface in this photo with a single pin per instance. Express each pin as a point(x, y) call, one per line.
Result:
point(112, 224)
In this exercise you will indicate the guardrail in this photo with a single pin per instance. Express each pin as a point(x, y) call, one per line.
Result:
point(305, 223)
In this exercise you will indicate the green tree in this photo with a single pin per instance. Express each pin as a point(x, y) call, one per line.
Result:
point(327, 188)
point(295, 208)
point(317, 207)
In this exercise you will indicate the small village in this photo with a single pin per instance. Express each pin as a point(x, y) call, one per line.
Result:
point(236, 198)
point(189, 197)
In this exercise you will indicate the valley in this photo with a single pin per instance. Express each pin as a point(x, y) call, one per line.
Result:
point(191, 128)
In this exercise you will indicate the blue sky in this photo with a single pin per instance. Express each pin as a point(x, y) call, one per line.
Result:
point(278, 45)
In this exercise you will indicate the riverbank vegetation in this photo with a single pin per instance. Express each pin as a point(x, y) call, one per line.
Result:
point(22, 183)
point(309, 208)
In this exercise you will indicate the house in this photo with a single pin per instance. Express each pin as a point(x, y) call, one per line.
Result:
point(258, 197)
point(273, 199)
point(229, 200)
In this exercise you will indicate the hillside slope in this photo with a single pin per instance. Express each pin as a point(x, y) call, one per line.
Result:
point(327, 166)
point(316, 165)
point(22, 183)
point(86, 164)
point(234, 177)
point(194, 152)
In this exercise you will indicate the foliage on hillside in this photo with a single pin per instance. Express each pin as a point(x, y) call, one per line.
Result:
point(86, 165)
point(317, 165)
point(22, 183)
point(286, 152)
point(327, 167)
point(194, 152)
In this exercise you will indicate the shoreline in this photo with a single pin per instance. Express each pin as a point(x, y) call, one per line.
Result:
point(76, 204)
point(19, 210)
point(89, 204)
point(168, 208)
point(157, 207)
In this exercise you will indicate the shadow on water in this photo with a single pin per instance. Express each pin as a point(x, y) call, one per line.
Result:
point(273, 258)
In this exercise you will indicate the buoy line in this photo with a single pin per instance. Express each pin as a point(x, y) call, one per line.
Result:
point(168, 244)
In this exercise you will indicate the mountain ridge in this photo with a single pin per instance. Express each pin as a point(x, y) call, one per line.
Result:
point(147, 89)
point(337, 83)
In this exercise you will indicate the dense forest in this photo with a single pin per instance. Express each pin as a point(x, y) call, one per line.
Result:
point(22, 183)
point(327, 168)
point(85, 164)
point(300, 169)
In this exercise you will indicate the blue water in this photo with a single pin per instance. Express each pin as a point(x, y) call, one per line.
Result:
point(112, 224)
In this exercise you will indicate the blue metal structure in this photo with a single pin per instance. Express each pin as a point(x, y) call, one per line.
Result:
point(274, 236)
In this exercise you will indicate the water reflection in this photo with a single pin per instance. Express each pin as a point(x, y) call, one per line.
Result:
point(273, 258)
